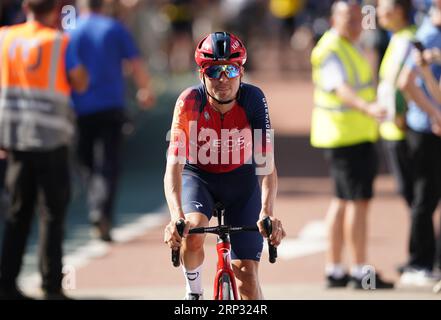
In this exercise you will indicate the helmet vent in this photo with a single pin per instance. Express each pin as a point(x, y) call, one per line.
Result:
point(221, 47)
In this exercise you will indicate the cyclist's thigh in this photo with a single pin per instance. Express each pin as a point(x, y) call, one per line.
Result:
point(245, 212)
point(195, 197)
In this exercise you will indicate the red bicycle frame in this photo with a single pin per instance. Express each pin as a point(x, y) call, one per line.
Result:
point(224, 281)
point(223, 248)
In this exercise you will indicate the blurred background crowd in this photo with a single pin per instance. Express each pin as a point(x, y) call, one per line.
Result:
point(168, 30)
point(279, 36)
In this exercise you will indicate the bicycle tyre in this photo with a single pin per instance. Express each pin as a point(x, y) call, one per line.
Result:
point(225, 287)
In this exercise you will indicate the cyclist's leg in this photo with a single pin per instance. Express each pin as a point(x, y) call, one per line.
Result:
point(247, 279)
point(193, 256)
point(192, 246)
point(246, 246)
point(197, 205)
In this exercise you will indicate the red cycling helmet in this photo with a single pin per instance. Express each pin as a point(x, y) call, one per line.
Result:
point(220, 47)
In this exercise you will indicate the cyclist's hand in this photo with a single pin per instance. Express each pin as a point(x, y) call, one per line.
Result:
point(171, 234)
point(278, 233)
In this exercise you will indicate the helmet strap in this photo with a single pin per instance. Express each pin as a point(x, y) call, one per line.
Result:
point(220, 101)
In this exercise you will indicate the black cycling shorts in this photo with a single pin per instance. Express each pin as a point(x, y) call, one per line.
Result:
point(353, 170)
point(239, 192)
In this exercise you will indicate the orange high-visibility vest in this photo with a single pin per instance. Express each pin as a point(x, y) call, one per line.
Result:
point(34, 89)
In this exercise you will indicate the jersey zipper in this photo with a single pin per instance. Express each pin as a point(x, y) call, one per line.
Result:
point(222, 116)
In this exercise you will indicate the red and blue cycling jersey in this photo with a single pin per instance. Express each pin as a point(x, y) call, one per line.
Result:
point(220, 143)
point(220, 153)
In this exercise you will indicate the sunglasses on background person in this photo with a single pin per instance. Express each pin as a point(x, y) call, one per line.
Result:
point(215, 71)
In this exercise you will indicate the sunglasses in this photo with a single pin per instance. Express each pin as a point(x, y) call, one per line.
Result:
point(215, 71)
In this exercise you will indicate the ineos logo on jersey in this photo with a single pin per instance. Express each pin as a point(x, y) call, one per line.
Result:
point(229, 144)
point(234, 146)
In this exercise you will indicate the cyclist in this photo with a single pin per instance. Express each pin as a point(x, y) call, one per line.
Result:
point(209, 161)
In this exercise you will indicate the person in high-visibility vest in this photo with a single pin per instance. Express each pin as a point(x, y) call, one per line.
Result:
point(37, 72)
point(423, 139)
point(344, 125)
point(394, 16)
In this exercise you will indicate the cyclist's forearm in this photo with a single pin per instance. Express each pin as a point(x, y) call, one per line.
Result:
point(269, 193)
point(173, 190)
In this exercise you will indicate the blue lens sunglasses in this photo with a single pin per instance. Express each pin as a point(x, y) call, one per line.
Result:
point(215, 71)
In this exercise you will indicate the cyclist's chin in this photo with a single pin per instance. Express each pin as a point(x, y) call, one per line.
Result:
point(224, 95)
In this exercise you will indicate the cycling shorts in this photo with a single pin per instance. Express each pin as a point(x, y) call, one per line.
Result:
point(239, 192)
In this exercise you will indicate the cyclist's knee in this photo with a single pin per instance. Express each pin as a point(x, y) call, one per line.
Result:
point(194, 242)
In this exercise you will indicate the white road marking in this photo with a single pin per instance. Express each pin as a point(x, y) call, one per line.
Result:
point(311, 240)
point(95, 248)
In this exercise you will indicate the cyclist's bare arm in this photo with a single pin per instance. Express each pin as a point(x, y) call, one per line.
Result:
point(269, 193)
point(173, 192)
point(173, 189)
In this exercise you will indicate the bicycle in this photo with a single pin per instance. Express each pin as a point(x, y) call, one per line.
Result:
point(225, 282)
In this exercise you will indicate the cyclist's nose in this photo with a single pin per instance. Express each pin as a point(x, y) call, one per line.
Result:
point(223, 77)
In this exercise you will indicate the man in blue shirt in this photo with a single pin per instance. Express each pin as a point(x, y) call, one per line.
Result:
point(104, 45)
point(424, 143)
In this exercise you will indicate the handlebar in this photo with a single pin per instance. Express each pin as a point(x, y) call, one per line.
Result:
point(272, 250)
point(180, 225)
point(267, 224)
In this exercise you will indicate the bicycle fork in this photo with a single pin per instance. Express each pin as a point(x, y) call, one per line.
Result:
point(225, 279)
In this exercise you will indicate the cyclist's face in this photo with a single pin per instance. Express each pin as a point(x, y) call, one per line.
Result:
point(224, 88)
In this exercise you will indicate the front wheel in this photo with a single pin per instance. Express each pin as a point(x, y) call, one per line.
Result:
point(226, 292)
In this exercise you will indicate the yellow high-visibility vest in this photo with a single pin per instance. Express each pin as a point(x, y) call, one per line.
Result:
point(334, 124)
point(396, 53)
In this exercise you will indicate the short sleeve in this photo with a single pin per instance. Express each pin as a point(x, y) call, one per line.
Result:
point(128, 46)
point(72, 55)
point(410, 61)
point(183, 113)
point(332, 73)
point(261, 123)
